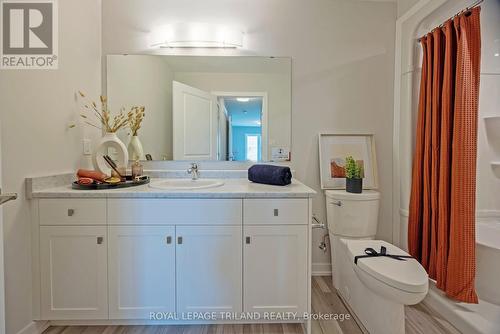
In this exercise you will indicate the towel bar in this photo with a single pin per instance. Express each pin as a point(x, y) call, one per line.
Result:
point(4, 198)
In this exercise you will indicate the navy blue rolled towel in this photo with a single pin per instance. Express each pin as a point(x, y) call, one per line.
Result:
point(269, 174)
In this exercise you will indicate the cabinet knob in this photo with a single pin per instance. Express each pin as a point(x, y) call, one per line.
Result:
point(276, 212)
point(71, 212)
point(247, 240)
point(100, 240)
point(337, 203)
point(169, 240)
point(179, 240)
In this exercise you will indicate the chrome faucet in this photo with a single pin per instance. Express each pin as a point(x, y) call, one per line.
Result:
point(193, 171)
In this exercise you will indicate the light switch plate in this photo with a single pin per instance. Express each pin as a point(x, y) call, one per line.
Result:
point(87, 147)
point(279, 153)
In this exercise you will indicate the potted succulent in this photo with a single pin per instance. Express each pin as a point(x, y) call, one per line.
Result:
point(353, 172)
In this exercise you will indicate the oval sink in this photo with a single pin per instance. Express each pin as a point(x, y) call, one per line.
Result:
point(185, 184)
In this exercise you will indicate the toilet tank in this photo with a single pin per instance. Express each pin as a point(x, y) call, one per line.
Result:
point(352, 215)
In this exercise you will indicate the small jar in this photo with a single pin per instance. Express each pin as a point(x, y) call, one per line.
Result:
point(137, 169)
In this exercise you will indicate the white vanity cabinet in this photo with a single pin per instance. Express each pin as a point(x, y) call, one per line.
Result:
point(276, 243)
point(275, 268)
point(73, 262)
point(209, 269)
point(125, 258)
point(145, 262)
point(141, 262)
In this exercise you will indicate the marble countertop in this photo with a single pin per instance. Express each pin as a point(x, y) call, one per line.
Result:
point(232, 188)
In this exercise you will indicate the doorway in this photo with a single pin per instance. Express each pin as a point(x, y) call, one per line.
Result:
point(245, 114)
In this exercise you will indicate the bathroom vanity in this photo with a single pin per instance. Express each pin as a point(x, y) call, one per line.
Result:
point(126, 254)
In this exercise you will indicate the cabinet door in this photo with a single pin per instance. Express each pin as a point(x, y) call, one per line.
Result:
point(209, 273)
point(73, 272)
point(141, 271)
point(275, 268)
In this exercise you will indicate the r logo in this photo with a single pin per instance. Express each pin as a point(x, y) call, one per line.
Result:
point(28, 29)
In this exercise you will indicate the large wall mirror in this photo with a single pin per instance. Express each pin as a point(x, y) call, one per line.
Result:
point(206, 107)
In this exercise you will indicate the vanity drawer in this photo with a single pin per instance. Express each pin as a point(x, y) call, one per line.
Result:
point(186, 211)
point(65, 211)
point(292, 211)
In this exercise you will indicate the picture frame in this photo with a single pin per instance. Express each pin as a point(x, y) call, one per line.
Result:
point(334, 148)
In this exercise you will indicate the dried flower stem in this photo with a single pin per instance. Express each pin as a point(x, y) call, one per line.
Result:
point(135, 118)
point(103, 115)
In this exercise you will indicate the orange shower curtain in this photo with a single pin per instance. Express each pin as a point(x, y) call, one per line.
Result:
point(441, 230)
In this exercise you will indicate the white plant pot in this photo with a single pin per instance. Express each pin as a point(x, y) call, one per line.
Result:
point(110, 145)
point(135, 150)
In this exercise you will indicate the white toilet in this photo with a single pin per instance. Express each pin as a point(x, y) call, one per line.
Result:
point(376, 288)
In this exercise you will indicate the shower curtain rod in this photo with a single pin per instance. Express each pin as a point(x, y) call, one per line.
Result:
point(475, 4)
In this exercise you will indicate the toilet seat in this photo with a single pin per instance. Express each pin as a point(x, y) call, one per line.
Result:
point(408, 276)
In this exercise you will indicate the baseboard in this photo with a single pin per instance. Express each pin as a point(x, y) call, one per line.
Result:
point(35, 327)
point(321, 269)
point(144, 322)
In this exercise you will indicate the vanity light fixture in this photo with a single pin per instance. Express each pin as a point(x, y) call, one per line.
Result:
point(197, 35)
point(242, 99)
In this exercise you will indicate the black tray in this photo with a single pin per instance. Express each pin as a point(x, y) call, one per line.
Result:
point(102, 186)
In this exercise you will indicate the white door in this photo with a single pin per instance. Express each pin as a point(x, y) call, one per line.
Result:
point(141, 271)
point(223, 125)
point(209, 272)
point(275, 268)
point(194, 123)
point(73, 272)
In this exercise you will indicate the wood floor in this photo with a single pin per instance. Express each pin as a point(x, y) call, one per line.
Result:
point(419, 320)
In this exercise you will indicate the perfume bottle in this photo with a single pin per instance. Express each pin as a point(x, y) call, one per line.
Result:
point(137, 169)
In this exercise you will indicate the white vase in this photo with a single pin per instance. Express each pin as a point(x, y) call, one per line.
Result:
point(135, 150)
point(110, 145)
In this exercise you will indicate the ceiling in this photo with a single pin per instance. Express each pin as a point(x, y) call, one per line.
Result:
point(244, 113)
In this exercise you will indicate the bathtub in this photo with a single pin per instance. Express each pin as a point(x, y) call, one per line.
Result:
point(488, 260)
point(482, 318)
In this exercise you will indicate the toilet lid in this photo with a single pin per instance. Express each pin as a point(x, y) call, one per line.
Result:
point(407, 275)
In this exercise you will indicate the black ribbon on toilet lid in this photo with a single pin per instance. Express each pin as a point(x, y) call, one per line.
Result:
point(370, 252)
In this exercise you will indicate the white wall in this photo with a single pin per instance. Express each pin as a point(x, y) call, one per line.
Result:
point(342, 68)
point(37, 106)
point(404, 6)
point(144, 81)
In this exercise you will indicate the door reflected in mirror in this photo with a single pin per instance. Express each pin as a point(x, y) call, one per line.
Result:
point(205, 108)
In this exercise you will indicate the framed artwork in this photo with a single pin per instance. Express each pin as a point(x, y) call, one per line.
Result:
point(334, 148)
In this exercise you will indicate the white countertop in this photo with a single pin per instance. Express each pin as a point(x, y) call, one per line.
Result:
point(232, 188)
